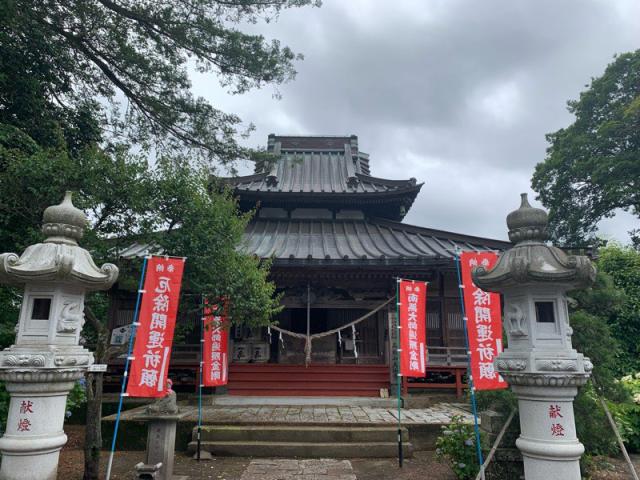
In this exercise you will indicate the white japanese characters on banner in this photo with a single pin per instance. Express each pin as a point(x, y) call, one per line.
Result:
point(154, 336)
point(484, 323)
point(412, 297)
point(216, 342)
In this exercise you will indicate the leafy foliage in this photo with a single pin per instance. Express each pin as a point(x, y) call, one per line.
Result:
point(592, 167)
point(57, 55)
point(623, 265)
point(627, 414)
point(206, 225)
point(171, 206)
point(590, 315)
point(502, 401)
point(457, 447)
point(10, 300)
point(64, 67)
point(77, 397)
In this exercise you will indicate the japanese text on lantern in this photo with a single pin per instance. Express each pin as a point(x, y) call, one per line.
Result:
point(484, 325)
point(557, 429)
point(412, 309)
point(24, 423)
point(215, 346)
point(152, 351)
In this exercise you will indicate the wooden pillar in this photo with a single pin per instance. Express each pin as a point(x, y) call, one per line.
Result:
point(458, 382)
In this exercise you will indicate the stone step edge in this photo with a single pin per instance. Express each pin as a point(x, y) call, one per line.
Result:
point(317, 423)
point(320, 434)
point(193, 443)
point(297, 427)
point(279, 448)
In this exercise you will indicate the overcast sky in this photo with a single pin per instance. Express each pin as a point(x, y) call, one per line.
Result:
point(458, 94)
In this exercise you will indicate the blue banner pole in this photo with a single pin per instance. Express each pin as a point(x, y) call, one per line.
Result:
point(472, 389)
point(399, 377)
point(134, 325)
point(200, 379)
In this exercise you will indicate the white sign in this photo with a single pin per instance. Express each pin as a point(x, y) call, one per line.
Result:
point(120, 335)
point(98, 367)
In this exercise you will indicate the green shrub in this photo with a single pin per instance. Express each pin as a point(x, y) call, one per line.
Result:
point(4, 407)
point(592, 426)
point(77, 397)
point(457, 447)
point(627, 415)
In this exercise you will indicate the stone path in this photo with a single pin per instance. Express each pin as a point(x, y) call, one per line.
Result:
point(312, 469)
point(439, 414)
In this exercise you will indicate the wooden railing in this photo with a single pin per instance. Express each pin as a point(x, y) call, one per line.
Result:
point(450, 361)
point(447, 356)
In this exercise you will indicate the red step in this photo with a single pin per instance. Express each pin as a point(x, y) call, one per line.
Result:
point(314, 380)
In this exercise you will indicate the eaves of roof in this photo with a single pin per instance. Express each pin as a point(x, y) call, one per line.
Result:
point(356, 243)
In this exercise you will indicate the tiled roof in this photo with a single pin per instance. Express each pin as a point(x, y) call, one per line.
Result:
point(351, 242)
point(318, 172)
point(356, 241)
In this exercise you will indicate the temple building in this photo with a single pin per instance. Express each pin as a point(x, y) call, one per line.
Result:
point(337, 242)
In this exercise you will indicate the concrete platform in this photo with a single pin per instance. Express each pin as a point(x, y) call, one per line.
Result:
point(423, 424)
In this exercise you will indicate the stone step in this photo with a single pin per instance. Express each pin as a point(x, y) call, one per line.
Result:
point(305, 450)
point(269, 390)
point(295, 401)
point(299, 434)
point(315, 380)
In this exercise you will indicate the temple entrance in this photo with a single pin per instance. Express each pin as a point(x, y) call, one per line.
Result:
point(348, 362)
point(364, 344)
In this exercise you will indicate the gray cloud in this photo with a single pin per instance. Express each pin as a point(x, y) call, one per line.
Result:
point(458, 94)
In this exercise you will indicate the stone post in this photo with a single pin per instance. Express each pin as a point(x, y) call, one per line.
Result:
point(45, 361)
point(161, 417)
point(541, 366)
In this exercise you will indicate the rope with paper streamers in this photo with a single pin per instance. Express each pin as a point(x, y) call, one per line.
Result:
point(308, 339)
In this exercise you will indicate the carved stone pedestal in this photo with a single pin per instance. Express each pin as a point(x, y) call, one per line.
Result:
point(34, 437)
point(548, 440)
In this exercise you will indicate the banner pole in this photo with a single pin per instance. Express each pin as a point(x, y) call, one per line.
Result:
point(472, 389)
point(399, 377)
point(126, 367)
point(200, 378)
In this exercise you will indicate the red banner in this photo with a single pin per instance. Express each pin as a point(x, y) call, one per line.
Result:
point(154, 335)
point(216, 346)
point(413, 330)
point(484, 324)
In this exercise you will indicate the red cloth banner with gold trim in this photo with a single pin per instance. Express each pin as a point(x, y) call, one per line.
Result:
point(216, 345)
point(413, 329)
point(154, 335)
point(484, 323)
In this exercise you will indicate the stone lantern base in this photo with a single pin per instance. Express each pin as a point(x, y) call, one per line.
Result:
point(34, 434)
point(548, 440)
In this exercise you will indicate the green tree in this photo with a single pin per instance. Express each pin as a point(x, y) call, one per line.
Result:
point(171, 207)
point(592, 167)
point(622, 264)
point(64, 65)
point(63, 53)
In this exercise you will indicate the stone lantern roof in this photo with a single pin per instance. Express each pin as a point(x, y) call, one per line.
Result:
point(531, 260)
point(59, 258)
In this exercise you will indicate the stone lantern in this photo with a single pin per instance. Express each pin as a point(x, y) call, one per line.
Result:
point(41, 367)
point(540, 364)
